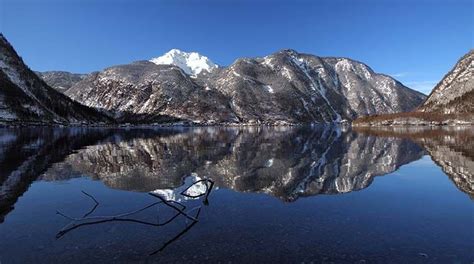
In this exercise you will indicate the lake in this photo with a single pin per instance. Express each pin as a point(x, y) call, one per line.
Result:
point(319, 194)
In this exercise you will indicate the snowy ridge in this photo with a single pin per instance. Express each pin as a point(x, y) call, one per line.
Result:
point(192, 63)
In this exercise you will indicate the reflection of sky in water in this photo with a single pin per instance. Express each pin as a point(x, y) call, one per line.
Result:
point(424, 161)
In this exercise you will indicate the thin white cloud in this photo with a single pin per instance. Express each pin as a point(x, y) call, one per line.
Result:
point(422, 86)
point(400, 74)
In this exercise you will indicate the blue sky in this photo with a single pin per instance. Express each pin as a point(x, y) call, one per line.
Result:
point(417, 42)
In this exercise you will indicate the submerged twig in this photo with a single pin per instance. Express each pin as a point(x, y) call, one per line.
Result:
point(177, 236)
point(205, 194)
point(93, 208)
point(169, 203)
point(178, 207)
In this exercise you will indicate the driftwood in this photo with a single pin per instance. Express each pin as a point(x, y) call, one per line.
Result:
point(180, 209)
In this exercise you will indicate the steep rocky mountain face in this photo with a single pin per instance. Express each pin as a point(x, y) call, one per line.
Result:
point(25, 98)
point(450, 103)
point(61, 80)
point(285, 163)
point(285, 87)
point(304, 88)
point(144, 92)
point(455, 92)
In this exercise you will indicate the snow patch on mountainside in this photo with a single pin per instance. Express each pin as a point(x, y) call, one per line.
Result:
point(12, 74)
point(315, 85)
point(453, 94)
point(191, 63)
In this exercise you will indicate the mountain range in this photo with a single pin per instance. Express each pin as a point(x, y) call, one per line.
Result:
point(286, 87)
point(283, 88)
point(178, 87)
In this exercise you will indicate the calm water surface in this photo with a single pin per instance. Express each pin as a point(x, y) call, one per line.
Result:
point(255, 195)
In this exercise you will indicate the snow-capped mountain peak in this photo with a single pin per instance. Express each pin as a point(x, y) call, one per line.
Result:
point(191, 63)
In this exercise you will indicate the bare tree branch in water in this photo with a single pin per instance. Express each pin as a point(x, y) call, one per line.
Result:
point(178, 207)
point(205, 194)
point(93, 208)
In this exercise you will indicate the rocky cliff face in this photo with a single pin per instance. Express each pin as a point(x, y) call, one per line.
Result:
point(285, 87)
point(450, 103)
point(61, 80)
point(25, 98)
point(455, 92)
point(286, 163)
point(301, 87)
point(145, 92)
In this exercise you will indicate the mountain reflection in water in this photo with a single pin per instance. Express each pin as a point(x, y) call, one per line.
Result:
point(283, 162)
point(451, 148)
point(286, 163)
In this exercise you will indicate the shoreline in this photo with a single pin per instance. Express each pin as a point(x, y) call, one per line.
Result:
point(382, 124)
point(415, 119)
